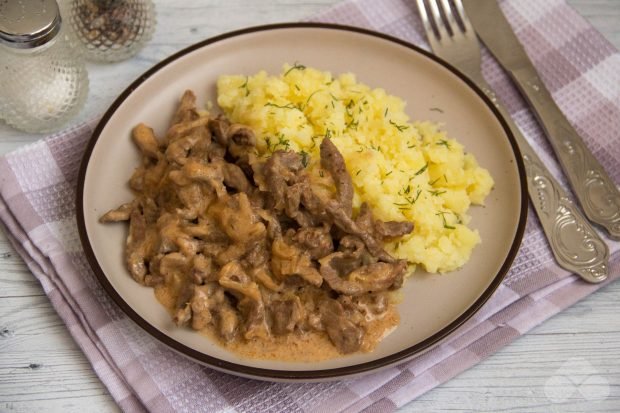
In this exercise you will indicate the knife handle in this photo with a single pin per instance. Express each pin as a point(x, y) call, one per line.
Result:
point(576, 246)
point(597, 193)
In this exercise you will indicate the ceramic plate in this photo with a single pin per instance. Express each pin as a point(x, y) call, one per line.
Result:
point(434, 305)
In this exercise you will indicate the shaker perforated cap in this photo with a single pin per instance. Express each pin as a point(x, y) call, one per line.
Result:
point(25, 24)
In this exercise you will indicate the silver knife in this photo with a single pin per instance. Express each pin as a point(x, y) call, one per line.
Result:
point(597, 193)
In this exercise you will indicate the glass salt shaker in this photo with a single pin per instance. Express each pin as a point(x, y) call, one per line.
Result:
point(110, 30)
point(43, 83)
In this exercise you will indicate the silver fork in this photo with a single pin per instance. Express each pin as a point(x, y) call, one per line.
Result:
point(575, 244)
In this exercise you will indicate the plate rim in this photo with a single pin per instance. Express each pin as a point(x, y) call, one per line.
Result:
point(295, 375)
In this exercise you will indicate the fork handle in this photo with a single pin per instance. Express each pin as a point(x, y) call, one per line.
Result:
point(598, 195)
point(575, 244)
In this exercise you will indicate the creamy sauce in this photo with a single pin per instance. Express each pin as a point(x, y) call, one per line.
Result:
point(307, 346)
point(296, 347)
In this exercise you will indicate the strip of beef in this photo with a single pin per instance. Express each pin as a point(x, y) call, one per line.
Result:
point(183, 129)
point(316, 240)
point(240, 135)
point(122, 213)
point(203, 271)
point(384, 231)
point(236, 217)
point(219, 128)
point(209, 173)
point(375, 277)
point(241, 140)
point(235, 178)
point(233, 277)
point(186, 111)
point(281, 171)
point(286, 314)
point(194, 201)
point(144, 138)
point(254, 316)
point(137, 249)
point(288, 260)
point(365, 308)
point(346, 224)
point(332, 160)
point(178, 150)
point(274, 230)
point(345, 335)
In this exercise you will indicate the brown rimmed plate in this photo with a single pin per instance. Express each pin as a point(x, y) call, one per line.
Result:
point(434, 305)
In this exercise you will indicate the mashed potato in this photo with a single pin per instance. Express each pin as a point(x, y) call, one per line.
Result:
point(402, 169)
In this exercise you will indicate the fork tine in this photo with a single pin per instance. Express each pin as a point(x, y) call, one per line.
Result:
point(428, 28)
point(463, 16)
point(453, 25)
point(436, 15)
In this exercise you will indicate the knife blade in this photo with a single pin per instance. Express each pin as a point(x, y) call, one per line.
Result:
point(597, 193)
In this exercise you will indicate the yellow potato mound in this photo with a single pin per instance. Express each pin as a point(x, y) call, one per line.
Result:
point(404, 170)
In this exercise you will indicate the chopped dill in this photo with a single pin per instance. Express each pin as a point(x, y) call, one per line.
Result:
point(422, 169)
point(434, 181)
point(321, 174)
point(458, 218)
point(353, 124)
point(361, 149)
point(399, 127)
point(358, 172)
point(245, 86)
point(304, 158)
point(389, 173)
point(282, 143)
point(436, 110)
point(287, 106)
point(313, 142)
point(444, 143)
point(296, 66)
point(442, 214)
point(436, 192)
point(305, 105)
point(297, 87)
point(386, 112)
point(410, 200)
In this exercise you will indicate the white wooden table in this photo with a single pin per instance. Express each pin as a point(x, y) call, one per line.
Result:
point(42, 369)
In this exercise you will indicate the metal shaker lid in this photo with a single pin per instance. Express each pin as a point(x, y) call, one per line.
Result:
point(25, 24)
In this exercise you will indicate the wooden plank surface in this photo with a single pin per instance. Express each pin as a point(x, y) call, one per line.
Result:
point(569, 364)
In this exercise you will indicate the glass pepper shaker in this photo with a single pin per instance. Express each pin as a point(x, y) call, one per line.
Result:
point(110, 30)
point(43, 83)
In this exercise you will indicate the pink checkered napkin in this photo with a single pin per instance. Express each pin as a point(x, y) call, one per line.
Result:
point(37, 209)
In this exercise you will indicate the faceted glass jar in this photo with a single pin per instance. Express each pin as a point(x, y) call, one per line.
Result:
point(109, 30)
point(41, 88)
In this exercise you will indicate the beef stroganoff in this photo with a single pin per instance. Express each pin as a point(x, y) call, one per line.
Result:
point(248, 249)
point(285, 227)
